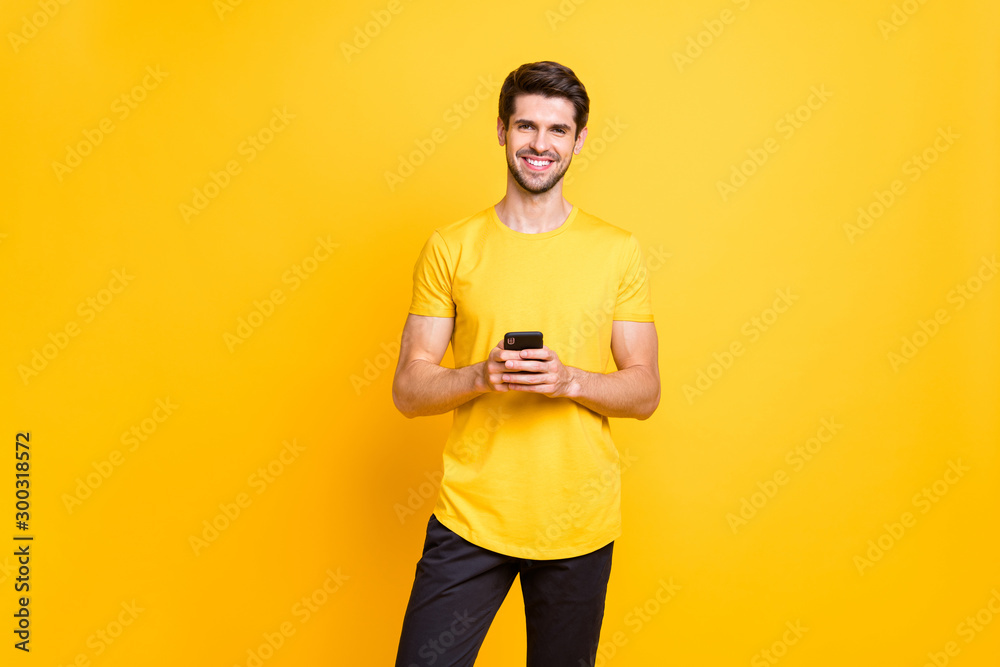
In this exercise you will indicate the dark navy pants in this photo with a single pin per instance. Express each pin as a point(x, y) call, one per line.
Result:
point(458, 589)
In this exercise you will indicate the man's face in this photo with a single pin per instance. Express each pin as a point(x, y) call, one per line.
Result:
point(540, 141)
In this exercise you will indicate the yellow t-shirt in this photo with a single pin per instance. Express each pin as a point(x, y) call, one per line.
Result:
point(524, 474)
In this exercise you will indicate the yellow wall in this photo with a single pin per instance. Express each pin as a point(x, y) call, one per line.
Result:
point(210, 216)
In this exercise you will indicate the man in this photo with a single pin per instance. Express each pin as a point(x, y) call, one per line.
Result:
point(531, 475)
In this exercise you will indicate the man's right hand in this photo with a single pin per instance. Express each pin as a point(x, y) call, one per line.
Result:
point(491, 375)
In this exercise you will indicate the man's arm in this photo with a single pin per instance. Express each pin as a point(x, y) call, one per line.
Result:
point(421, 386)
point(634, 389)
point(631, 391)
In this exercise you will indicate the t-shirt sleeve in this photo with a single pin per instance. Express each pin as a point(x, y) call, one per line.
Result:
point(432, 280)
point(634, 300)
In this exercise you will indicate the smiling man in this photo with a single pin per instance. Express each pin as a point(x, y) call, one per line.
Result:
point(531, 483)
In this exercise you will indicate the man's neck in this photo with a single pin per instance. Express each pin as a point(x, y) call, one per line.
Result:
point(533, 214)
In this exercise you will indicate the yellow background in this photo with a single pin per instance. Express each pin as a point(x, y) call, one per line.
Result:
point(318, 369)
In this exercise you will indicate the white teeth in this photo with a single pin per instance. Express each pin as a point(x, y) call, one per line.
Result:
point(537, 163)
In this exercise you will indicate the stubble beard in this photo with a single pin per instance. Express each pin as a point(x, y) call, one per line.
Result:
point(534, 186)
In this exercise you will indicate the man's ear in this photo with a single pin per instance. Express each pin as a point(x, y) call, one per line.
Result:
point(501, 131)
point(579, 141)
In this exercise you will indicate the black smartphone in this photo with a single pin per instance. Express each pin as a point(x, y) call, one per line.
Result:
point(522, 340)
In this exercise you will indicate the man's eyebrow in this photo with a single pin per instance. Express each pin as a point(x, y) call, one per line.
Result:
point(557, 126)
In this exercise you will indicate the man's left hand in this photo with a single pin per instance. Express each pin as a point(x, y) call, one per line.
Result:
point(549, 375)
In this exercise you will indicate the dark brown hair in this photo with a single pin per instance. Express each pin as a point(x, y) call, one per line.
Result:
point(549, 79)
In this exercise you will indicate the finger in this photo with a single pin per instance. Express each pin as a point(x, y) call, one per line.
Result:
point(533, 388)
point(529, 366)
point(525, 378)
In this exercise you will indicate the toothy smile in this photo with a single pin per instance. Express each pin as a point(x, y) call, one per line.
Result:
point(538, 164)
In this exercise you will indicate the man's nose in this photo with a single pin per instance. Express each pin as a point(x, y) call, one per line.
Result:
point(540, 142)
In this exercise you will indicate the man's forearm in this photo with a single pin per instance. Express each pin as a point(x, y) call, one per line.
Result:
point(630, 392)
point(425, 388)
